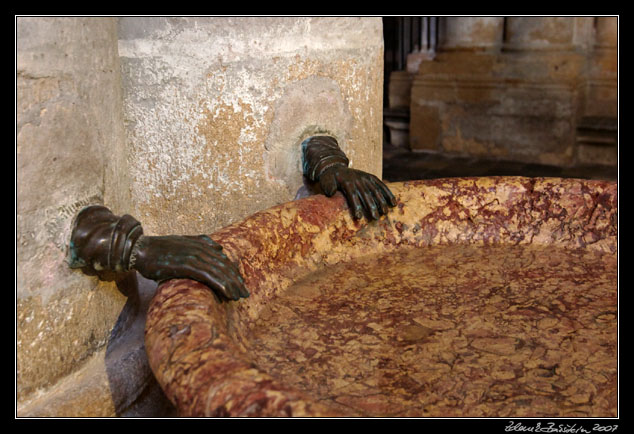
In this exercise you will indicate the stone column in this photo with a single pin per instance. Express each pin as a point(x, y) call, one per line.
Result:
point(471, 33)
point(188, 124)
point(548, 33)
point(502, 88)
point(597, 130)
point(396, 117)
point(70, 153)
point(216, 110)
point(601, 90)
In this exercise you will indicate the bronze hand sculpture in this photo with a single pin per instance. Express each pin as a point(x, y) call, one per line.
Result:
point(324, 162)
point(107, 245)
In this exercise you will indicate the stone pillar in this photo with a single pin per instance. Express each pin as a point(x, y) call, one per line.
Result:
point(465, 44)
point(504, 88)
point(70, 153)
point(601, 85)
point(216, 109)
point(471, 33)
point(189, 124)
point(396, 117)
point(597, 134)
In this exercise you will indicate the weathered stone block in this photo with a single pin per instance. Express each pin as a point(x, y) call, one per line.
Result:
point(197, 125)
point(425, 127)
point(485, 104)
point(216, 109)
point(589, 154)
point(400, 88)
point(69, 143)
point(471, 33)
point(539, 32)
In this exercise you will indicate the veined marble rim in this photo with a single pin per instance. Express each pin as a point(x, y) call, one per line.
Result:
point(195, 344)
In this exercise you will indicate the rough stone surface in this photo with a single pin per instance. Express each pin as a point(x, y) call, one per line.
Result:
point(216, 109)
point(516, 88)
point(187, 124)
point(601, 93)
point(508, 328)
point(449, 330)
point(400, 89)
point(472, 33)
point(83, 393)
point(536, 33)
point(68, 126)
point(511, 105)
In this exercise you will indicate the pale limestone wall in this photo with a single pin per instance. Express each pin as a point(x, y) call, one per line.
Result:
point(216, 109)
point(69, 143)
point(187, 124)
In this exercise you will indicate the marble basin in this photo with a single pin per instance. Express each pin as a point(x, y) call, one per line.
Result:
point(493, 297)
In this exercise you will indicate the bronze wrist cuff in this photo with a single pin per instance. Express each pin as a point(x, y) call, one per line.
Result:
point(101, 241)
point(126, 232)
point(320, 153)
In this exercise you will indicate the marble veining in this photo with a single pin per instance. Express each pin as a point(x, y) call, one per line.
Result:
point(473, 297)
point(456, 330)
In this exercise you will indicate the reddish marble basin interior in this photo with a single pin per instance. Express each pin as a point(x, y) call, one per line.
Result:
point(492, 297)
